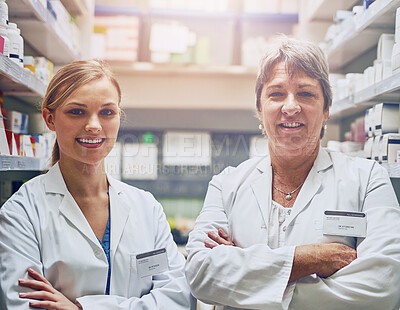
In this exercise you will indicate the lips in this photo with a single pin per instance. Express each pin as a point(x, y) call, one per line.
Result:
point(90, 142)
point(291, 125)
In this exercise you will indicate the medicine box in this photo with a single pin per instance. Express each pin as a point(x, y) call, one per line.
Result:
point(17, 122)
point(389, 145)
point(386, 118)
point(4, 150)
point(368, 148)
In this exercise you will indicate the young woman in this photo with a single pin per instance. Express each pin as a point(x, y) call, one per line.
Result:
point(72, 238)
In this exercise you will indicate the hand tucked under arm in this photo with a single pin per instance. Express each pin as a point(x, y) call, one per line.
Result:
point(45, 295)
point(221, 238)
point(323, 259)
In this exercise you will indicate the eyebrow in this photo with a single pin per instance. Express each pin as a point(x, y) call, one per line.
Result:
point(307, 85)
point(85, 106)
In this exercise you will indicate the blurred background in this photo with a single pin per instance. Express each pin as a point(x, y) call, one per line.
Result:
point(187, 70)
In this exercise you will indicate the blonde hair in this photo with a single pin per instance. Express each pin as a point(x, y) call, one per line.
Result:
point(68, 79)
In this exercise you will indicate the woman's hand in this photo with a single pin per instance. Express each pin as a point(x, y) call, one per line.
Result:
point(45, 296)
point(221, 238)
point(323, 259)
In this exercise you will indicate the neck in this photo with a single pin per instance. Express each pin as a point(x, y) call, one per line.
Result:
point(84, 180)
point(291, 169)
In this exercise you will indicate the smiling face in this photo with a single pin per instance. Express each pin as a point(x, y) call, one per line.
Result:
point(87, 123)
point(292, 112)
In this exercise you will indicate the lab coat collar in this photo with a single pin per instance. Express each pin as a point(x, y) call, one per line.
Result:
point(54, 183)
point(119, 209)
point(261, 189)
point(313, 182)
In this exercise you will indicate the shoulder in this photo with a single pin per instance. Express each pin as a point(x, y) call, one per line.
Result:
point(243, 169)
point(132, 193)
point(26, 197)
point(356, 166)
point(232, 178)
point(344, 160)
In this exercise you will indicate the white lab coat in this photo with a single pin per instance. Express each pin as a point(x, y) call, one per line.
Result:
point(254, 276)
point(42, 227)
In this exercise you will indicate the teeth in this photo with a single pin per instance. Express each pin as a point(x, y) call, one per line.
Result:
point(291, 125)
point(90, 141)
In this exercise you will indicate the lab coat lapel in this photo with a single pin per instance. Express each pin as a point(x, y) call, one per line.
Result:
point(119, 213)
point(262, 190)
point(54, 183)
point(312, 183)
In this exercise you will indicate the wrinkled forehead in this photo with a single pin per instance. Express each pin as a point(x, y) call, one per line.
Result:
point(284, 71)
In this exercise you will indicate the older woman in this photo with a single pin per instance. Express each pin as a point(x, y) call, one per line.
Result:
point(302, 228)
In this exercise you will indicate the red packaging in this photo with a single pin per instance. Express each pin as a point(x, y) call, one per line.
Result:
point(9, 135)
point(4, 113)
point(18, 143)
point(33, 141)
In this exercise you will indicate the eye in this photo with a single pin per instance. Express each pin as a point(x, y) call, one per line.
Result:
point(305, 94)
point(107, 112)
point(275, 94)
point(76, 112)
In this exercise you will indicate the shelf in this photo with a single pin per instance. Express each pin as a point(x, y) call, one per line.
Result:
point(77, 7)
point(353, 42)
point(203, 15)
point(17, 81)
point(182, 69)
point(387, 90)
point(325, 10)
point(40, 29)
point(269, 17)
point(21, 163)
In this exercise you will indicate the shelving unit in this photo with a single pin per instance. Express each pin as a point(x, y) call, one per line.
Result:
point(347, 48)
point(148, 68)
point(77, 7)
point(41, 31)
point(360, 38)
point(20, 163)
point(16, 81)
point(323, 10)
point(387, 90)
point(22, 89)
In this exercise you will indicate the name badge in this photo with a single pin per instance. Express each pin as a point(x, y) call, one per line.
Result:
point(345, 223)
point(151, 263)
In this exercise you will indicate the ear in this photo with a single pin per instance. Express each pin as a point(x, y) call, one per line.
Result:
point(49, 119)
point(326, 115)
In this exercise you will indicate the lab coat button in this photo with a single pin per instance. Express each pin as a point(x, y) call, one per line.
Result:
point(284, 228)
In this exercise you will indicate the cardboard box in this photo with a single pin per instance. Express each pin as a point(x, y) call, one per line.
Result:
point(386, 118)
point(389, 145)
point(4, 150)
point(17, 122)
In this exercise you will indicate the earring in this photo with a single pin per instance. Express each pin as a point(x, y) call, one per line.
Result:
point(261, 127)
point(325, 126)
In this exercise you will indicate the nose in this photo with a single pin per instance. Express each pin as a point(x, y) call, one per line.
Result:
point(93, 124)
point(290, 106)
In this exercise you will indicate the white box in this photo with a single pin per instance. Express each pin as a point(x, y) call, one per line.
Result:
point(17, 122)
point(389, 145)
point(4, 150)
point(368, 148)
point(385, 46)
point(386, 118)
point(397, 27)
point(375, 149)
point(396, 57)
point(369, 124)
